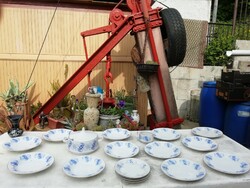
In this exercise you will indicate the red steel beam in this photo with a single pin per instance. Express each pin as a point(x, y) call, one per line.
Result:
point(90, 64)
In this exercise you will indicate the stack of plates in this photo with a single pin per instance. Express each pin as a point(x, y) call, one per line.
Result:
point(132, 170)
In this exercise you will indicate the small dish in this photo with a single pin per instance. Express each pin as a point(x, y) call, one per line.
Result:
point(121, 149)
point(207, 132)
point(166, 134)
point(226, 163)
point(84, 166)
point(199, 143)
point(116, 134)
point(22, 143)
point(145, 137)
point(183, 169)
point(132, 168)
point(56, 135)
point(29, 163)
point(162, 150)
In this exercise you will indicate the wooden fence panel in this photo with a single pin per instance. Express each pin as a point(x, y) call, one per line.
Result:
point(23, 30)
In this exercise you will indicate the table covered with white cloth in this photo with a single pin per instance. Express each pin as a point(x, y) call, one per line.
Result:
point(54, 176)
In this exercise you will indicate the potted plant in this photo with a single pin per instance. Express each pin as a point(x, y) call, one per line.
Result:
point(78, 107)
point(14, 97)
point(108, 116)
point(124, 105)
point(57, 117)
point(16, 101)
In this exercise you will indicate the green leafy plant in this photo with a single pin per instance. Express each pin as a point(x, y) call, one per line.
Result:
point(55, 86)
point(35, 107)
point(151, 63)
point(124, 100)
point(78, 104)
point(111, 111)
point(14, 94)
point(215, 52)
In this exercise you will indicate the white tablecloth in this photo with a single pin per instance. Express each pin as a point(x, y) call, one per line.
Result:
point(55, 177)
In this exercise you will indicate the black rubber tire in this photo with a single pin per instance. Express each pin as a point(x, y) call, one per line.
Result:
point(174, 36)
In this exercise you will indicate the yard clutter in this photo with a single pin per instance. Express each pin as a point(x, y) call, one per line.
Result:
point(93, 112)
point(16, 102)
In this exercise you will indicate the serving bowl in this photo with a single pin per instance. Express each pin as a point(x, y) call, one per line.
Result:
point(82, 142)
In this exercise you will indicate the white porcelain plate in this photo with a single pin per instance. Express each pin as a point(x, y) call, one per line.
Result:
point(163, 150)
point(121, 149)
point(166, 134)
point(207, 132)
point(22, 143)
point(132, 168)
point(135, 180)
point(29, 163)
point(116, 134)
point(199, 143)
point(227, 163)
point(56, 135)
point(183, 169)
point(84, 166)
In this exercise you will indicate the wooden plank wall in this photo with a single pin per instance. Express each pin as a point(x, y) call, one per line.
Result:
point(22, 31)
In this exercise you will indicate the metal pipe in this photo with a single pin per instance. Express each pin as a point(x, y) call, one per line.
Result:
point(238, 53)
point(235, 16)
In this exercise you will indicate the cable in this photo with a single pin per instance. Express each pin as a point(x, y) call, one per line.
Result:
point(45, 37)
point(161, 3)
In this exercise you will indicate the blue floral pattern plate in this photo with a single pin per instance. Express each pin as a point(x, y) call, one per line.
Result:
point(183, 169)
point(207, 132)
point(162, 150)
point(84, 166)
point(29, 163)
point(22, 143)
point(121, 149)
point(116, 134)
point(56, 135)
point(199, 143)
point(226, 163)
point(132, 168)
point(166, 134)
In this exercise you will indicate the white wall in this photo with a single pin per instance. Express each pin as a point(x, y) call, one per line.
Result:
point(189, 9)
point(185, 80)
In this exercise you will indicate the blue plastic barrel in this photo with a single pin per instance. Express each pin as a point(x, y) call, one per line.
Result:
point(212, 109)
point(237, 122)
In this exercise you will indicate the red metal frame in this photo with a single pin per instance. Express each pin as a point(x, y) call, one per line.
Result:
point(143, 18)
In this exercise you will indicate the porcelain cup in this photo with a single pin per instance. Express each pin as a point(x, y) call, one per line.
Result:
point(145, 137)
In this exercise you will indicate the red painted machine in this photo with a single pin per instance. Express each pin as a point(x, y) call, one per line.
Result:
point(152, 29)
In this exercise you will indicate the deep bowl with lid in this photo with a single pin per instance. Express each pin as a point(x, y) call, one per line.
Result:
point(82, 142)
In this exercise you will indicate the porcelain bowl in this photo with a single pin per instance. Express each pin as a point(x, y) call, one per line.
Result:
point(82, 142)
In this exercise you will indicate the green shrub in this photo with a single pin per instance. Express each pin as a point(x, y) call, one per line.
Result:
point(215, 52)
